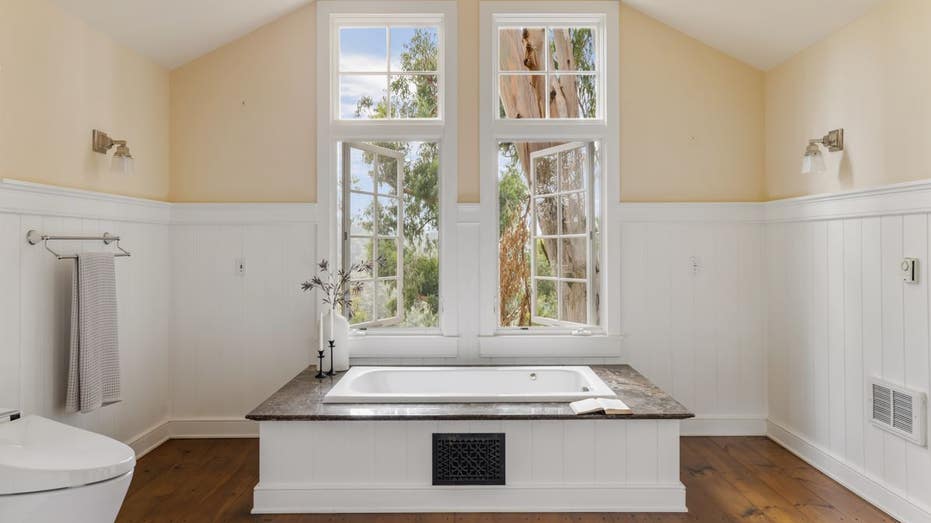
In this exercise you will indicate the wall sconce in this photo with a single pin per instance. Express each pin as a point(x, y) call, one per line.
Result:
point(813, 162)
point(122, 161)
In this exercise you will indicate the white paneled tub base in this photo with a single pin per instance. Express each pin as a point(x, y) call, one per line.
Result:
point(583, 465)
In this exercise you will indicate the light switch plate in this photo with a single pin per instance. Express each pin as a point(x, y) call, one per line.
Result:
point(910, 270)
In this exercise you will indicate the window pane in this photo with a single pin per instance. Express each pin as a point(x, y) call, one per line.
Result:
point(522, 96)
point(542, 257)
point(414, 96)
point(360, 171)
point(414, 48)
point(521, 49)
point(362, 302)
point(573, 213)
point(360, 251)
point(387, 175)
point(363, 49)
point(544, 172)
point(387, 216)
point(573, 255)
point(386, 299)
point(572, 48)
point(360, 214)
point(387, 258)
point(546, 299)
point(572, 96)
point(574, 304)
point(363, 97)
point(546, 220)
point(572, 169)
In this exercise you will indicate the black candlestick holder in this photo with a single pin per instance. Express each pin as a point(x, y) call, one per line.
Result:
point(320, 373)
point(331, 372)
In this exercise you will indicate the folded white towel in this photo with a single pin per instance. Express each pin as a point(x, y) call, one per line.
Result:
point(94, 368)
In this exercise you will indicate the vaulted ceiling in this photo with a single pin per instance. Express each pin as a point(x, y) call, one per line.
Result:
point(762, 33)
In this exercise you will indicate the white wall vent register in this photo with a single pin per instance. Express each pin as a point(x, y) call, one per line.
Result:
point(899, 410)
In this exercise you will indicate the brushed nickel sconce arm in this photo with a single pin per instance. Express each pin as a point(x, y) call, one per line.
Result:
point(833, 141)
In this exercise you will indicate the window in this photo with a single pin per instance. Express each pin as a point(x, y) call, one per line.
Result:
point(389, 71)
point(389, 192)
point(548, 256)
point(547, 72)
point(544, 133)
point(386, 166)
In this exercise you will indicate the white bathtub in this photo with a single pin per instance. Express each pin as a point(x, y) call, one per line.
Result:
point(467, 385)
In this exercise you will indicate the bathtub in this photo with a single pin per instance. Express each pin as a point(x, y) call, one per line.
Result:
point(467, 385)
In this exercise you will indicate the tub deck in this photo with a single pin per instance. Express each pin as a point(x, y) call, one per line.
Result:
point(320, 457)
point(301, 399)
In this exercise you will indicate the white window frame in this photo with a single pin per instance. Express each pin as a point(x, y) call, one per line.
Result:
point(331, 130)
point(588, 235)
point(603, 340)
point(346, 226)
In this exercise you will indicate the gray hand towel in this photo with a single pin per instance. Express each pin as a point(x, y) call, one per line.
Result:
point(94, 368)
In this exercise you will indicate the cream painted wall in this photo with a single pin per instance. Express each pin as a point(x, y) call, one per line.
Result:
point(243, 118)
point(59, 80)
point(691, 118)
point(872, 78)
point(692, 121)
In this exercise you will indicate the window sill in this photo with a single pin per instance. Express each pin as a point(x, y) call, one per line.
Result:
point(383, 345)
point(556, 345)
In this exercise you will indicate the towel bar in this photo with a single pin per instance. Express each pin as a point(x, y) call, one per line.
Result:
point(33, 237)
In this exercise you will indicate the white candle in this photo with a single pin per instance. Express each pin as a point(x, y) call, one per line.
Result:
point(332, 321)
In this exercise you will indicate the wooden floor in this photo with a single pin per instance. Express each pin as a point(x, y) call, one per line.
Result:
point(727, 479)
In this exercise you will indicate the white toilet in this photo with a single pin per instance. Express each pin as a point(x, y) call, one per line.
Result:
point(52, 472)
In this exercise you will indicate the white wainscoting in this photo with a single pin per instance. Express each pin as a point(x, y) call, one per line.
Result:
point(239, 336)
point(35, 297)
point(838, 313)
point(385, 466)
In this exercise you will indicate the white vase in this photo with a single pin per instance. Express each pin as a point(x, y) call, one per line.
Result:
point(340, 336)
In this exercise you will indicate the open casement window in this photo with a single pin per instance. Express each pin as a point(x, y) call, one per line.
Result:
point(561, 235)
point(372, 219)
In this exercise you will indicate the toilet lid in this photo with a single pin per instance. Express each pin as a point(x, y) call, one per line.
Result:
point(39, 454)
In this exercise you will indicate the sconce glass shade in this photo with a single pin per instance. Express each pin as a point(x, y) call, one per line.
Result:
point(813, 162)
point(122, 165)
point(122, 162)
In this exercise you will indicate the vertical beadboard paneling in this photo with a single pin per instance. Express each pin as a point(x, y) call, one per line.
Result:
point(837, 405)
point(893, 347)
point(10, 244)
point(35, 303)
point(696, 332)
point(239, 335)
point(853, 342)
point(872, 337)
point(844, 317)
point(915, 339)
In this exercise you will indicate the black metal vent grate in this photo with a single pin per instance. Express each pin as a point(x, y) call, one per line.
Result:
point(468, 459)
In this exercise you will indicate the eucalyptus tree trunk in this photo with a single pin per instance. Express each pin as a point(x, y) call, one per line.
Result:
point(527, 96)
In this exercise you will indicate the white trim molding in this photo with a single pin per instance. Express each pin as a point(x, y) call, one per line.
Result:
point(35, 199)
point(868, 488)
point(242, 213)
point(895, 199)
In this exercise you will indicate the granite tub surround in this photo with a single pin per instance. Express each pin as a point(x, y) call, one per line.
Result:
point(301, 400)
